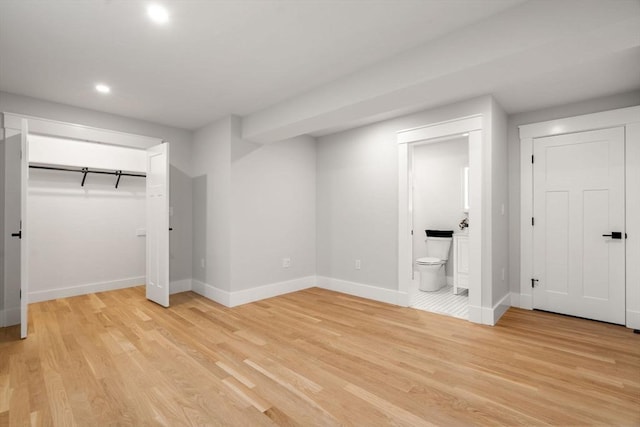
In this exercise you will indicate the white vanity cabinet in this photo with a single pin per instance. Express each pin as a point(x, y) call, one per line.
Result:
point(460, 262)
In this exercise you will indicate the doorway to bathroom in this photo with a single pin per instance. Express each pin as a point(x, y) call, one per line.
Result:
point(440, 217)
point(469, 128)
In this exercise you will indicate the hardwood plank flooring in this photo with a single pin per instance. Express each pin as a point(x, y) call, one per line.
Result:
point(313, 357)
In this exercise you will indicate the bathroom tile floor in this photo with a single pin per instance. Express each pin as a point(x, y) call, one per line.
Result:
point(441, 302)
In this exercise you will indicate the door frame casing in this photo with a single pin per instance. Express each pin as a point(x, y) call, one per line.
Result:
point(473, 125)
point(629, 118)
point(12, 124)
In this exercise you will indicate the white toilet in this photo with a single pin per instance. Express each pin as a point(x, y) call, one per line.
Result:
point(431, 267)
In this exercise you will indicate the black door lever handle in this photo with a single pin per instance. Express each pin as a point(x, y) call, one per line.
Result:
point(614, 235)
point(18, 234)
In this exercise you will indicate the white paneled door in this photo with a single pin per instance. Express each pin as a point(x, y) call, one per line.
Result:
point(158, 224)
point(24, 241)
point(15, 242)
point(579, 225)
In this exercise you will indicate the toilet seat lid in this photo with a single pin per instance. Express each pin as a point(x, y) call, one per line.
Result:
point(429, 260)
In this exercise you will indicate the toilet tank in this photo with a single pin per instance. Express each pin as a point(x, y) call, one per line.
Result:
point(438, 247)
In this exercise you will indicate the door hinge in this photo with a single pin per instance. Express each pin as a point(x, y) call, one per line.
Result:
point(533, 221)
point(532, 158)
point(412, 232)
point(533, 282)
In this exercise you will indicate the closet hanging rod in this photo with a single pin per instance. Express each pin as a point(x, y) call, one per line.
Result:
point(86, 171)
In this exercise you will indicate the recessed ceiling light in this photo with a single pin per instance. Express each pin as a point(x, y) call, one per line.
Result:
point(158, 14)
point(102, 88)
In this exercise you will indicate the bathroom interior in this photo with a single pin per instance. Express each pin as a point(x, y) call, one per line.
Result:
point(440, 206)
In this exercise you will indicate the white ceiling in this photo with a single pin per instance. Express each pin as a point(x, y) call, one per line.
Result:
point(216, 58)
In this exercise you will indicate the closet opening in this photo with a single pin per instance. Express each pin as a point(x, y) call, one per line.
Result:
point(92, 213)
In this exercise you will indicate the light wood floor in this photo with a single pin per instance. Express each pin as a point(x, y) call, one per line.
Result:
point(310, 358)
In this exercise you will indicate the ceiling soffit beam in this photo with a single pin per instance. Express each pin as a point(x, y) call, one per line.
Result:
point(459, 66)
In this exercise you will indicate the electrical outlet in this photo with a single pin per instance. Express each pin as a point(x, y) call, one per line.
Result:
point(358, 264)
point(286, 262)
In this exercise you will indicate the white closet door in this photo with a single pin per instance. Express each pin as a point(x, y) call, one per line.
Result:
point(15, 243)
point(158, 224)
point(24, 241)
point(579, 235)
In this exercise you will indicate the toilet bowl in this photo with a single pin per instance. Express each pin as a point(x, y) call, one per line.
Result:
point(432, 274)
point(432, 267)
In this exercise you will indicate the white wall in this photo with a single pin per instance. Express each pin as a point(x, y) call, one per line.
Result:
point(622, 100)
point(256, 205)
point(180, 139)
point(2, 304)
point(499, 208)
point(66, 152)
point(212, 159)
point(273, 205)
point(437, 190)
point(180, 158)
point(357, 197)
point(84, 237)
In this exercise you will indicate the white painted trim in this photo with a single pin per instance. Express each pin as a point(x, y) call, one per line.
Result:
point(522, 301)
point(233, 299)
point(499, 308)
point(42, 126)
point(215, 294)
point(632, 225)
point(362, 290)
point(490, 316)
point(271, 290)
point(626, 117)
point(89, 288)
point(594, 121)
point(473, 126)
point(178, 286)
point(11, 316)
point(526, 213)
point(526, 301)
point(439, 130)
point(515, 299)
point(475, 314)
point(633, 319)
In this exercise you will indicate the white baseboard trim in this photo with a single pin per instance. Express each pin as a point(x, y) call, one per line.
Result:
point(475, 314)
point(633, 319)
point(515, 299)
point(216, 294)
point(271, 290)
point(490, 316)
point(526, 301)
point(375, 293)
point(500, 308)
point(245, 296)
point(177, 286)
point(11, 316)
point(89, 288)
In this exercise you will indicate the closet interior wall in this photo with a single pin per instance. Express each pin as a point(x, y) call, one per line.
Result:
point(84, 238)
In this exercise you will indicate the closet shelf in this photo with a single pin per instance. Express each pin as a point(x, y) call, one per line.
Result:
point(86, 171)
